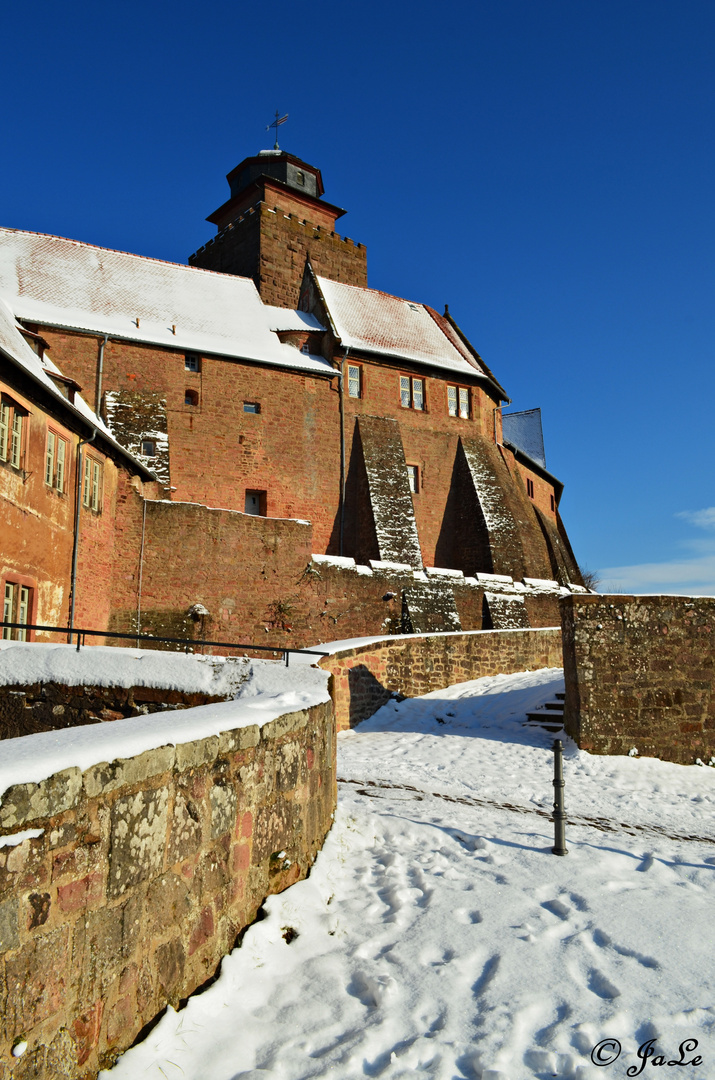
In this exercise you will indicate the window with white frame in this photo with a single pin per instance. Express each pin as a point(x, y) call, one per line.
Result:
point(413, 476)
point(17, 606)
point(56, 457)
point(458, 401)
point(412, 393)
point(12, 432)
point(192, 362)
point(354, 380)
point(92, 484)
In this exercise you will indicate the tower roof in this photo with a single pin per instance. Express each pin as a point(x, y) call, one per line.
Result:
point(276, 169)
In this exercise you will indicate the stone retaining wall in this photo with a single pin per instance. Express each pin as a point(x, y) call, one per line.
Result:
point(28, 708)
point(145, 873)
point(364, 678)
point(640, 672)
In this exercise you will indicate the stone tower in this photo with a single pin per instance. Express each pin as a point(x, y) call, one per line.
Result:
point(274, 219)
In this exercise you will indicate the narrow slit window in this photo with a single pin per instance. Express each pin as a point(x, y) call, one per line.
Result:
point(354, 381)
point(93, 483)
point(530, 488)
point(405, 392)
point(50, 457)
point(60, 471)
point(16, 441)
point(413, 476)
point(17, 608)
point(553, 503)
point(4, 429)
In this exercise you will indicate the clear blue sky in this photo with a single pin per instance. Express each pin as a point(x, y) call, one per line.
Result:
point(544, 166)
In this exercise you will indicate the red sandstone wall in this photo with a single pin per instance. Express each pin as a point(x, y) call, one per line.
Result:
point(640, 672)
point(38, 527)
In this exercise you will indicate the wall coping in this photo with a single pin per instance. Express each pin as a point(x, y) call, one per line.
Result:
point(357, 645)
point(34, 759)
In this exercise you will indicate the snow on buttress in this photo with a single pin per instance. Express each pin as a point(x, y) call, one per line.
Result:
point(437, 936)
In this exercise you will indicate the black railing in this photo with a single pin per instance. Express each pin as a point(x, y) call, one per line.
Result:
point(82, 633)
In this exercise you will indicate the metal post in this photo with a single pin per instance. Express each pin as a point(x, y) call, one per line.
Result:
point(287, 656)
point(559, 847)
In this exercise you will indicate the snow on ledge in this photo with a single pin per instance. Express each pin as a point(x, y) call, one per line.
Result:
point(333, 647)
point(440, 571)
point(334, 560)
point(543, 584)
point(376, 564)
point(267, 690)
point(488, 579)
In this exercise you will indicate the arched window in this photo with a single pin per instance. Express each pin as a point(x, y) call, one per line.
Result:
point(191, 397)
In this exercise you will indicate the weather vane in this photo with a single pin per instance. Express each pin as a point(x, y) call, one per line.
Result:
point(276, 124)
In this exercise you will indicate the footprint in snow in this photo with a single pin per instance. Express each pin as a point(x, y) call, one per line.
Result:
point(488, 973)
point(603, 941)
point(466, 917)
point(557, 908)
point(601, 986)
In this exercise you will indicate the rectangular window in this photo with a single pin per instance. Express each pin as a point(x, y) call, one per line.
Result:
point(92, 485)
point(16, 442)
point(354, 381)
point(255, 503)
point(5, 412)
point(192, 362)
point(405, 392)
point(16, 608)
point(458, 401)
point(56, 461)
point(412, 393)
point(50, 457)
point(553, 503)
point(413, 475)
point(530, 488)
point(251, 406)
point(60, 472)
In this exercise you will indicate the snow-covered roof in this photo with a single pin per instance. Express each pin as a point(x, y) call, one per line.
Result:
point(379, 323)
point(288, 319)
point(14, 347)
point(66, 283)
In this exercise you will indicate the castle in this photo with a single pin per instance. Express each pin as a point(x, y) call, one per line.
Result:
point(257, 446)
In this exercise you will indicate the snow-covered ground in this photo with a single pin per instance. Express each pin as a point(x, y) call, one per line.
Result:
point(438, 936)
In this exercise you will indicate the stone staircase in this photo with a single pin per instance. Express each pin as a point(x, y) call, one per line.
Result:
point(549, 716)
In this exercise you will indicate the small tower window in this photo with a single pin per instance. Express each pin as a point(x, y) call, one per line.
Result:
point(300, 177)
point(192, 362)
point(191, 397)
point(413, 476)
point(148, 448)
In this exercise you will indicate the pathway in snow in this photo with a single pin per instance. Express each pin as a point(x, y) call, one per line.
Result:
point(439, 937)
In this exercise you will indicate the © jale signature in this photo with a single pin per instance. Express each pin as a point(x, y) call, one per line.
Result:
point(609, 1050)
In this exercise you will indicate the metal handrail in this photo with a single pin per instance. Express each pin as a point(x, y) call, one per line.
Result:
point(83, 633)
